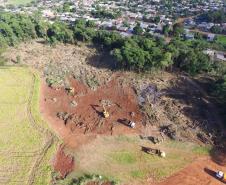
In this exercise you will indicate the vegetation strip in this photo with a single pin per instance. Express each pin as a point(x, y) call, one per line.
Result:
point(23, 150)
point(49, 135)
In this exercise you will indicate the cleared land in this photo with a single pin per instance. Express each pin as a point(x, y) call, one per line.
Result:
point(200, 172)
point(25, 150)
point(121, 158)
point(77, 80)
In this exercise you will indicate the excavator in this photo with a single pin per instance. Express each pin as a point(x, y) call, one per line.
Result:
point(105, 113)
point(125, 121)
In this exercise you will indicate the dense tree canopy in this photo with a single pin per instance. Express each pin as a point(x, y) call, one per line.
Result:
point(137, 29)
point(60, 32)
point(16, 28)
point(178, 29)
point(140, 52)
point(102, 13)
point(214, 16)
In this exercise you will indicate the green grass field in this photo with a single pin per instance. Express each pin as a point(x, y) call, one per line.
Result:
point(120, 158)
point(221, 39)
point(21, 142)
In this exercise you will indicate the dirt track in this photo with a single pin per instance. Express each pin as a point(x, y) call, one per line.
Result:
point(201, 172)
point(49, 136)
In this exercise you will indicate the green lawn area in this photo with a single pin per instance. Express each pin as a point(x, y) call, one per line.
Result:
point(19, 2)
point(221, 39)
point(120, 158)
point(21, 144)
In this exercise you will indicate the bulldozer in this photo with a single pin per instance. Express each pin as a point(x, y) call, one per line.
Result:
point(105, 113)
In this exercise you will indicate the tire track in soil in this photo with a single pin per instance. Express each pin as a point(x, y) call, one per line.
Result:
point(49, 136)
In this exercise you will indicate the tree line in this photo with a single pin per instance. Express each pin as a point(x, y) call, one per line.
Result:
point(218, 16)
point(105, 14)
point(139, 52)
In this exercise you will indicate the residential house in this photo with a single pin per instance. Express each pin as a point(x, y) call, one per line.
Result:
point(210, 37)
point(220, 56)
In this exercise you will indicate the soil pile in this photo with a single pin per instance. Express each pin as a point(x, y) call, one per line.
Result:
point(63, 163)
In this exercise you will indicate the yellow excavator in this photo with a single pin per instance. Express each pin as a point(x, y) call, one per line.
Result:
point(105, 113)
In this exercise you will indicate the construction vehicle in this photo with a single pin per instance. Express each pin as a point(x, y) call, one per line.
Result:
point(158, 152)
point(132, 124)
point(127, 122)
point(221, 176)
point(70, 90)
point(105, 113)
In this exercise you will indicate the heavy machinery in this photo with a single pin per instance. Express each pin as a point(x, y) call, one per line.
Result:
point(221, 176)
point(158, 152)
point(132, 124)
point(128, 123)
point(105, 113)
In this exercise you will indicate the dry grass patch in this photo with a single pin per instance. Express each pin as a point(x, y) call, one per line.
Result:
point(120, 158)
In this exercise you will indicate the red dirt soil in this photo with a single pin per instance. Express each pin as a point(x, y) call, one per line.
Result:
point(63, 163)
point(219, 155)
point(87, 120)
point(200, 172)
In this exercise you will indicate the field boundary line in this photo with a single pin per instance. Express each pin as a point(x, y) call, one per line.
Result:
point(49, 135)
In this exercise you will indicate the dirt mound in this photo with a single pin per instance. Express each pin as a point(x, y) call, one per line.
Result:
point(63, 163)
point(201, 172)
point(78, 117)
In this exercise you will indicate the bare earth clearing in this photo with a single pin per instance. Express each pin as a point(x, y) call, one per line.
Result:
point(199, 172)
point(178, 110)
point(86, 119)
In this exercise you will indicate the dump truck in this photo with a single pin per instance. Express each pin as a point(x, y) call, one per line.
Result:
point(221, 176)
